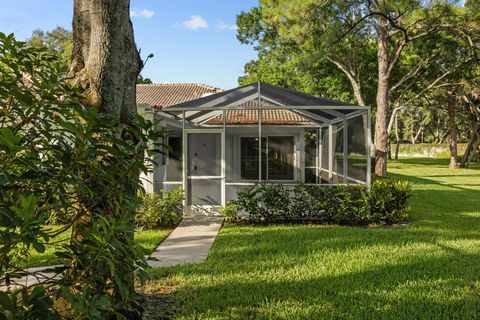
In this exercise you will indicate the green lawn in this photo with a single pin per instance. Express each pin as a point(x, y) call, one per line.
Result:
point(147, 239)
point(427, 270)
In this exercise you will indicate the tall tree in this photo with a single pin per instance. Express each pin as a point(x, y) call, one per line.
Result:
point(59, 40)
point(105, 60)
point(105, 65)
point(344, 32)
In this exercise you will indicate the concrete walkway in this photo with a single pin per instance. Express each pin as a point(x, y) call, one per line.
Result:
point(189, 242)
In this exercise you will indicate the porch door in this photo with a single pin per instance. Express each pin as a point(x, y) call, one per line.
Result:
point(205, 178)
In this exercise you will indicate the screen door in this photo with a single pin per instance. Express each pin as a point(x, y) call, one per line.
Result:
point(204, 168)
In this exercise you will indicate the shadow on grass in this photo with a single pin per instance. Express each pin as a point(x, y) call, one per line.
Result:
point(387, 292)
point(425, 270)
point(252, 275)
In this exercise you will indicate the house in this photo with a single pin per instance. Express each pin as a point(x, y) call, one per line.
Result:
point(163, 95)
point(226, 140)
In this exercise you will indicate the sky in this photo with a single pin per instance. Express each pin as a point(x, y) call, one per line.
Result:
point(193, 41)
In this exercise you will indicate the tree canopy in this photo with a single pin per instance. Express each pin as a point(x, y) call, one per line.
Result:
point(387, 54)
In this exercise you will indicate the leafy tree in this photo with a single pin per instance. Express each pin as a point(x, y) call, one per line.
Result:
point(448, 56)
point(105, 66)
point(59, 40)
point(364, 40)
point(289, 64)
point(141, 79)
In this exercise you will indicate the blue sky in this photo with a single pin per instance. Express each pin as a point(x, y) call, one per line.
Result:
point(192, 40)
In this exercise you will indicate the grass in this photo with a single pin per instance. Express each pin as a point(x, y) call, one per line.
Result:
point(427, 270)
point(147, 239)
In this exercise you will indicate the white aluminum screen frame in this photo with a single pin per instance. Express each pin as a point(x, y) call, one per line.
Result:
point(360, 110)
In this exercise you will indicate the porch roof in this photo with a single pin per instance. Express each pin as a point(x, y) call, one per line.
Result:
point(269, 94)
point(265, 96)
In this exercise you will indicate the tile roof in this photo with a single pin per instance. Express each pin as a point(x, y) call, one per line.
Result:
point(276, 116)
point(164, 95)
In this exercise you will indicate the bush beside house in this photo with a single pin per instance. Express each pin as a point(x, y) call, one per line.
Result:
point(386, 203)
point(160, 210)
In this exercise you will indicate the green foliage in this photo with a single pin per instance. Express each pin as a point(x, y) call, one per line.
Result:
point(285, 63)
point(27, 304)
point(388, 200)
point(58, 40)
point(160, 210)
point(56, 156)
point(142, 80)
point(342, 204)
point(230, 211)
point(425, 270)
point(264, 202)
point(427, 150)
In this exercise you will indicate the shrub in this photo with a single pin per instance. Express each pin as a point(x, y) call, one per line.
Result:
point(58, 156)
point(343, 204)
point(388, 200)
point(159, 210)
point(230, 211)
point(265, 202)
point(307, 204)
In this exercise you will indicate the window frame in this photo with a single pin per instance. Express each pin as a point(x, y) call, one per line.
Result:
point(296, 157)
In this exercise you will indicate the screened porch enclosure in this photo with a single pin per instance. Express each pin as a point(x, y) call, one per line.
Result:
point(260, 133)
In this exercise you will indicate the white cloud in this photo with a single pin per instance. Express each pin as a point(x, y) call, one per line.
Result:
point(144, 13)
point(195, 22)
point(223, 26)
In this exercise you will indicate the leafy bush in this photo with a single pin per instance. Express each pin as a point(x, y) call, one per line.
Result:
point(230, 211)
point(264, 202)
point(343, 204)
point(57, 156)
point(160, 209)
point(388, 200)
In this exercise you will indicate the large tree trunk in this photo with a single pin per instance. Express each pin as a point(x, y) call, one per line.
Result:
point(381, 121)
point(105, 65)
point(105, 60)
point(453, 130)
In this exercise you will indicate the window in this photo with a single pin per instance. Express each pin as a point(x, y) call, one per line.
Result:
point(277, 158)
point(249, 158)
point(280, 158)
point(174, 164)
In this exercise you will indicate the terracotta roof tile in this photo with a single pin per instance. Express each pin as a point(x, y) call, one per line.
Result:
point(164, 95)
point(277, 117)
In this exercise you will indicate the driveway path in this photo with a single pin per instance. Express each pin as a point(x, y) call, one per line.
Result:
point(189, 242)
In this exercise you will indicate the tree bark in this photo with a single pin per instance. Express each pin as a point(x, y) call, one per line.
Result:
point(354, 80)
point(105, 60)
point(397, 137)
point(453, 130)
point(105, 66)
point(475, 146)
point(418, 135)
point(468, 149)
point(381, 121)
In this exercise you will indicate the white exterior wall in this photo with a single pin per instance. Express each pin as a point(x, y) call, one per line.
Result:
point(147, 178)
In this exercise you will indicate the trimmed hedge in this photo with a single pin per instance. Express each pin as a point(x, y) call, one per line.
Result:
point(386, 203)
